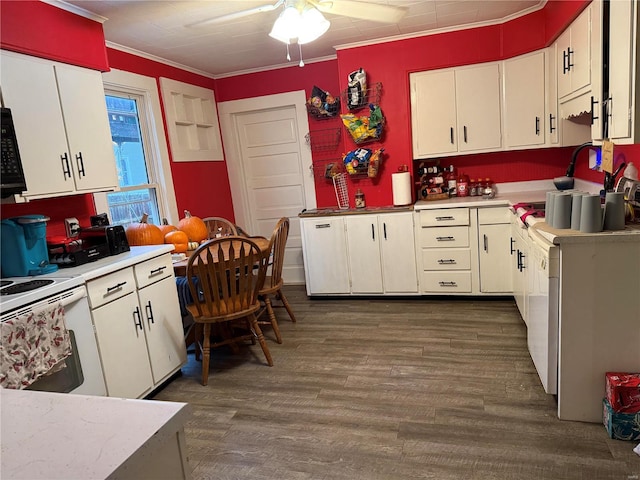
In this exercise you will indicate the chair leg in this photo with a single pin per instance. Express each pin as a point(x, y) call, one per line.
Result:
point(198, 341)
point(272, 318)
point(206, 353)
point(261, 341)
point(284, 301)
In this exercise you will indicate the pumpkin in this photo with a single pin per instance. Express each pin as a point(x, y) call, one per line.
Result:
point(194, 227)
point(166, 228)
point(143, 233)
point(179, 239)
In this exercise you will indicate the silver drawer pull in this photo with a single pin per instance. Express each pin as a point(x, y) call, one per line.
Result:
point(449, 261)
point(445, 239)
point(323, 225)
point(118, 286)
point(441, 219)
point(448, 284)
point(156, 271)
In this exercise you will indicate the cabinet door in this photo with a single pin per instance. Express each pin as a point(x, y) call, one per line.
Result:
point(621, 38)
point(397, 244)
point(495, 258)
point(29, 90)
point(87, 126)
point(163, 325)
point(478, 107)
point(433, 113)
point(580, 53)
point(563, 45)
point(524, 100)
point(123, 348)
point(363, 243)
point(324, 250)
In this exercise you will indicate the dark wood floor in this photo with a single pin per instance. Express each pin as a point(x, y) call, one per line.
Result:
point(389, 389)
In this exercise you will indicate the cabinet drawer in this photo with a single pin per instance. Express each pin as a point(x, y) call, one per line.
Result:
point(444, 237)
point(490, 216)
point(446, 259)
point(110, 287)
point(444, 217)
point(153, 270)
point(446, 282)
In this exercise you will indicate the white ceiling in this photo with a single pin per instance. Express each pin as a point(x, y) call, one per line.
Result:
point(158, 28)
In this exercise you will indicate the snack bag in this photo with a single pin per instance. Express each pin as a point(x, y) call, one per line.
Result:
point(374, 163)
point(357, 161)
point(357, 89)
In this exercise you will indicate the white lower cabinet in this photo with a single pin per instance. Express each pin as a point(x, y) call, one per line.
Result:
point(381, 253)
point(136, 316)
point(324, 249)
point(519, 250)
point(494, 231)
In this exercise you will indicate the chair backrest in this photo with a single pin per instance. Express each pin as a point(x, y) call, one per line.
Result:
point(278, 244)
point(219, 227)
point(222, 278)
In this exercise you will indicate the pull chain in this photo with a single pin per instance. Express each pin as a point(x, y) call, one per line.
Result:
point(301, 62)
point(288, 56)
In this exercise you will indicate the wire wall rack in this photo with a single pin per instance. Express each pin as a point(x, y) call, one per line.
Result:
point(326, 140)
point(327, 168)
point(370, 95)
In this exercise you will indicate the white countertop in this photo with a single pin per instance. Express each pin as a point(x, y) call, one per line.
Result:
point(63, 436)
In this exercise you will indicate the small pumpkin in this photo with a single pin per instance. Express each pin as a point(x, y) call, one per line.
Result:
point(166, 228)
point(179, 240)
point(143, 233)
point(194, 227)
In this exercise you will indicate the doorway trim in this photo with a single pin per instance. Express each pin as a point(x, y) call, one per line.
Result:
point(227, 112)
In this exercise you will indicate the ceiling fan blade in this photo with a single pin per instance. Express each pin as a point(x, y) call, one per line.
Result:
point(376, 12)
point(236, 15)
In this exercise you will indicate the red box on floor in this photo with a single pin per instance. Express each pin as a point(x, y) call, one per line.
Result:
point(623, 391)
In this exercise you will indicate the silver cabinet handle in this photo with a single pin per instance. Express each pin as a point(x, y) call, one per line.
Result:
point(448, 284)
point(323, 225)
point(449, 261)
point(445, 239)
point(441, 219)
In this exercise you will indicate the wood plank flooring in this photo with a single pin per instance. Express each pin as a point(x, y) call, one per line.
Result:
point(373, 389)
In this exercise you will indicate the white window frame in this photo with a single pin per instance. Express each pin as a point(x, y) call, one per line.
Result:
point(119, 83)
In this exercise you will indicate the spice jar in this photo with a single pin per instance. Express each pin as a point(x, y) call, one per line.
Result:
point(360, 203)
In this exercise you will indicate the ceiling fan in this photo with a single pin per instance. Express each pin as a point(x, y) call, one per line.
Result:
point(376, 12)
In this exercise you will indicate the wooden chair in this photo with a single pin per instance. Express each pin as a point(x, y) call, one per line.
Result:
point(273, 283)
point(224, 286)
point(219, 227)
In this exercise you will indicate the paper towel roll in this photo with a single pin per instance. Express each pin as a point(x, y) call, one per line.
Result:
point(401, 184)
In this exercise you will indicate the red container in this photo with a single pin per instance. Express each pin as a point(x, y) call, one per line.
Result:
point(623, 391)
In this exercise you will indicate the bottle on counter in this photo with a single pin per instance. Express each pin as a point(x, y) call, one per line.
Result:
point(359, 197)
point(452, 181)
point(473, 187)
point(463, 185)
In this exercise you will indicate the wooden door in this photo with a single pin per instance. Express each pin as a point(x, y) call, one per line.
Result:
point(269, 172)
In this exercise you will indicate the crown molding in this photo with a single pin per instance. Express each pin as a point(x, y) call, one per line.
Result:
point(77, 10)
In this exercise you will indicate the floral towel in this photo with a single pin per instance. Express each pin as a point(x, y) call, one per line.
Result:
point(31, 345)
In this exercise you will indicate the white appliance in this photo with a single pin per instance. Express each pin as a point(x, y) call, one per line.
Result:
point(543, 301)
point(83, 374)
point(542, 292)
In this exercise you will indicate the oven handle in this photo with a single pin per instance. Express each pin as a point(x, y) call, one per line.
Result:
point(76, 294)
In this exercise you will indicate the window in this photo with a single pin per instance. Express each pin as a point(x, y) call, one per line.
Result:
point(140, 150)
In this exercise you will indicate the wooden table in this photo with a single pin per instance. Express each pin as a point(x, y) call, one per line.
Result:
point(180, 268)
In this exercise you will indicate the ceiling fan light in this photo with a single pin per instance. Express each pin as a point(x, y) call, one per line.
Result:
point(313, 25)
point(285, 28)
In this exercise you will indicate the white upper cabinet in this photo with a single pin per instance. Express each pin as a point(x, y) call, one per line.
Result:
point(623, 63)
point(61, 124)
point(456, 110)
point(524, 101)
point(574, 56)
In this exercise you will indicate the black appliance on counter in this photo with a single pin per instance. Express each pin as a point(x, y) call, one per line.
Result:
point(91, 244)
point(11, 175)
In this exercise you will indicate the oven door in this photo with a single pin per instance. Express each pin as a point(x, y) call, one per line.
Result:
point(83, 372)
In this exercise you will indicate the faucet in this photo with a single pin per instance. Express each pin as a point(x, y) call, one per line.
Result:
point(567, 182)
